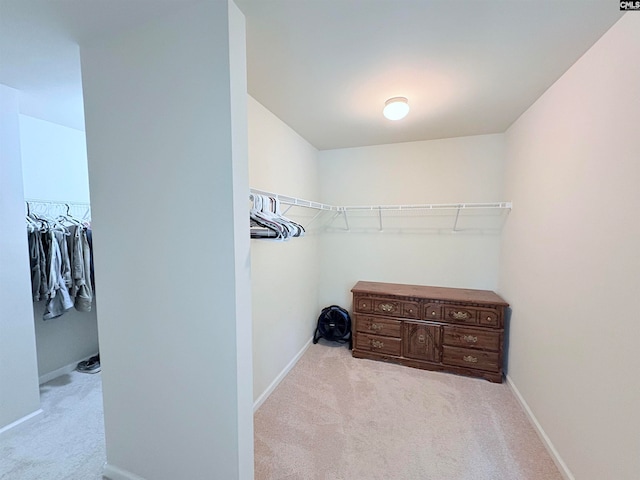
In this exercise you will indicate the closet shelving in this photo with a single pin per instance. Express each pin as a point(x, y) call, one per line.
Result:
point(449, 209)
point(453, 210)
point(295, 202)
point(48, 208)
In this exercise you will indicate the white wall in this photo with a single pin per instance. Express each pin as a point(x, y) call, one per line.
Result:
point(284, 274)
point(419, 250)
point(165, 114)
point(570, 261)
point(54, 166)
point(62, 342)
point(54, 161)
point(19, 394)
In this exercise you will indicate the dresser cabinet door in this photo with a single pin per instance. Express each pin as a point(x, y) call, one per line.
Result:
point(421, 341)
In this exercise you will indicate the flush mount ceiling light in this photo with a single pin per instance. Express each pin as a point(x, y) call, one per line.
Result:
point(396, 108)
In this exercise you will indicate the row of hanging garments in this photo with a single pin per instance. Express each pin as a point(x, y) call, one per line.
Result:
point(61, 258)
point(268, 222)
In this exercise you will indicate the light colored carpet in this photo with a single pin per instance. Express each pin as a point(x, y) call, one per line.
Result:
point(332, 418)
point(66, 442)
point(339, 418)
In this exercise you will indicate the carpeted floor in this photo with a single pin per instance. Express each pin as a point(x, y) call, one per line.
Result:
point(339, 418)
point(66, 442)
point(332, 418)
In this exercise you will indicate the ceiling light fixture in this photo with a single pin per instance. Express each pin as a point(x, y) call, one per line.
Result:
point(396, 108)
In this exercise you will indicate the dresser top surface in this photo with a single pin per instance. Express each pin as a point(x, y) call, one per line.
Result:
point(437, 293)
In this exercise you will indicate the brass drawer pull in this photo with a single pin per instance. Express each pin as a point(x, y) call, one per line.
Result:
point(421, 338)
point(470, 338)
point(375, 326)
point(377, 344)
point(470, 359)
point(460, 315)
point(387, 307)
point(363, 305)
point(433, 314)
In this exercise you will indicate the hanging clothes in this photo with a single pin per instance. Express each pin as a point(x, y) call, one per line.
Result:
point(81, 271)
point(61, 264)
point(38, 265)
point(59, 300)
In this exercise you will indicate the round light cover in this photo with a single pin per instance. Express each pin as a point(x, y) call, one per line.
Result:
point(396, 108)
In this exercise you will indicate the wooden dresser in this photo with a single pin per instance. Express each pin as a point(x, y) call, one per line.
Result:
point(435, 328)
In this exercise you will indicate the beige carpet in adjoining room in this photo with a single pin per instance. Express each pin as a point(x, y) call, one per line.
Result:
point(335, 417)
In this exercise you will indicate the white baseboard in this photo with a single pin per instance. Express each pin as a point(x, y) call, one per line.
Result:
point(47, 377)
point(555, 456)
point(280, 377)
point(114, 473)
point(20, 421)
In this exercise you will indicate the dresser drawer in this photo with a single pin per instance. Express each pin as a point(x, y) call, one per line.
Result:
point(489, 318)
point(363, 304)
point(471, 338)
point(464, 315)
point(387, 307)
point(432, 311)
point(375, 344)
point(410, 310)
point(396, 308)
point(467, 357)
point(378, 326)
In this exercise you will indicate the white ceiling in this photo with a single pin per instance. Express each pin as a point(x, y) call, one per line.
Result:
point(39, 52)
point(325, 67)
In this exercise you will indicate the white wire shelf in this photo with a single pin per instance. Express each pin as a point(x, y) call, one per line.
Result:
point(293, 201)
point(428, 206)
point(384, 212)
point(58, 207)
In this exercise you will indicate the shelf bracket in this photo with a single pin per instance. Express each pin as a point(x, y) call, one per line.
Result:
point(314, 217)
point(335, 215)
point(346, 221)
point(455, 223)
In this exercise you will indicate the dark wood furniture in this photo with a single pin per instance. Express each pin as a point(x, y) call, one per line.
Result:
point(435, 328)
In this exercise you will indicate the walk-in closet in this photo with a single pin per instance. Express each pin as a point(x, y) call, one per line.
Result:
point(56, 185)
point(58, 349)
point(230, 170)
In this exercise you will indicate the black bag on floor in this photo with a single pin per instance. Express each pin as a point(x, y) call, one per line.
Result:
point(334, 324)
